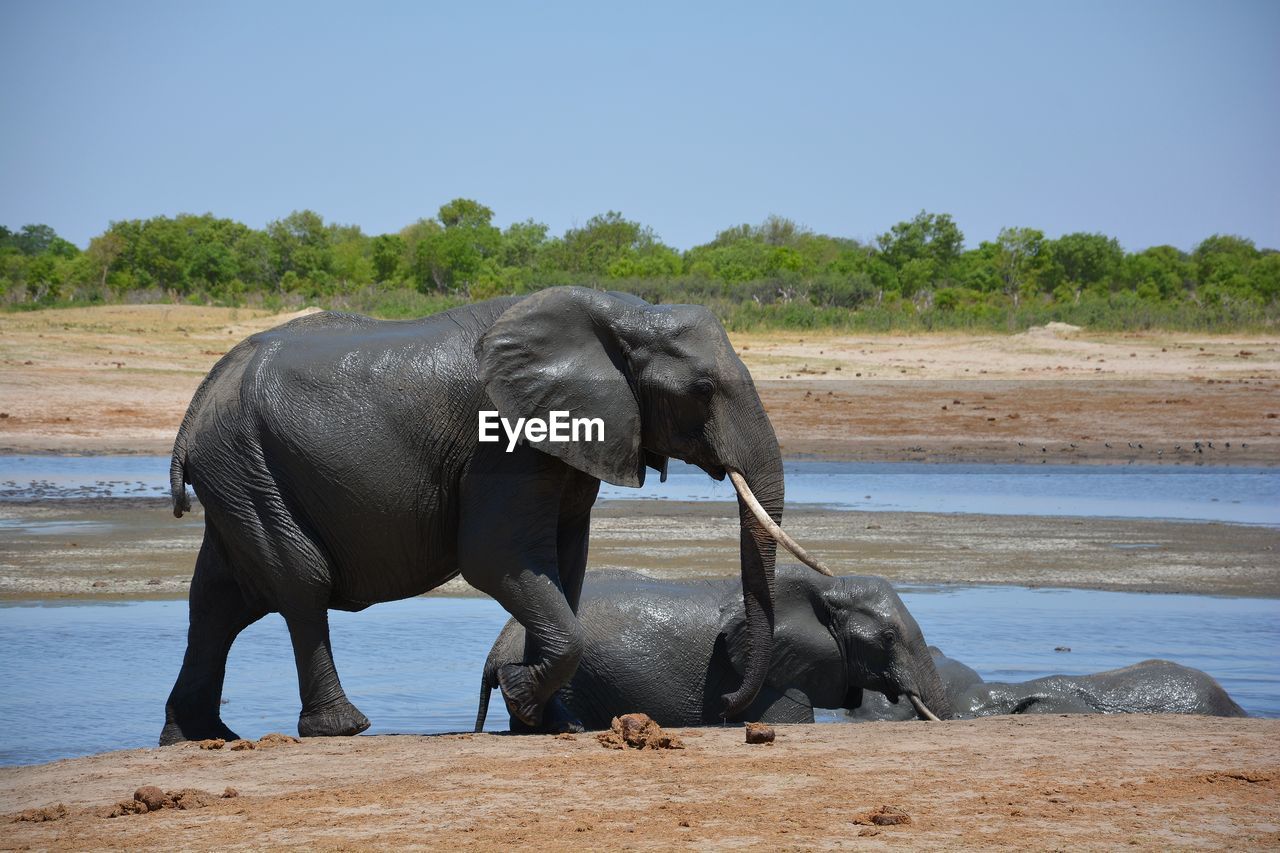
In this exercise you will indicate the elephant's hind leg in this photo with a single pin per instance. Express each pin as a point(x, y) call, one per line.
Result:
point(326, 711)
point(218, 613)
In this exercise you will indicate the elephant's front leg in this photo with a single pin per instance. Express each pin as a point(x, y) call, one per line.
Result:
point(508, 548)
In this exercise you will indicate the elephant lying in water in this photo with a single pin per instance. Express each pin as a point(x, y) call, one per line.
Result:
point(1149, 687)
point(670, 648)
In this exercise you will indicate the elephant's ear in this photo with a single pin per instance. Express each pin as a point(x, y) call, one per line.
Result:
point(805, 653)
point(651, 459)
point(559, 350)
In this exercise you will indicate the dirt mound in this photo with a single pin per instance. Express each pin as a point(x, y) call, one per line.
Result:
point(151, 798)
point(638, 731)
point(1051, 330)
point(41, 815)
point(886, 816)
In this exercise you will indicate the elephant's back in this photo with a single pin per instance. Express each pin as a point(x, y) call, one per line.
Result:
point(649, 645)
point(307, 436)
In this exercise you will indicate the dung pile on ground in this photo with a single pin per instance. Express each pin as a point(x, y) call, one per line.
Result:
point(885, 816)
point(637, 731)
point(41, 815)
point(150, 798)
point(760, 733)
point(267, 741)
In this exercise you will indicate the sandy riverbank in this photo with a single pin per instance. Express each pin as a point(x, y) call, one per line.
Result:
point(117, 379)
point(1046, 782)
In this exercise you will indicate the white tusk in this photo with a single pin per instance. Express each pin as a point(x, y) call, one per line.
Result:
point(922, 709)
point(740, 483)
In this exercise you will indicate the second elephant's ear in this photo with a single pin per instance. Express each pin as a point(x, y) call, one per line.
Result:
point(559, 350)
point(805, 654)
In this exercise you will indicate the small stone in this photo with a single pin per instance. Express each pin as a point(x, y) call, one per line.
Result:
point(229, 793)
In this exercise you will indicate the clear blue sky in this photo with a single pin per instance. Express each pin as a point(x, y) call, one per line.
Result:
point(1156, 122)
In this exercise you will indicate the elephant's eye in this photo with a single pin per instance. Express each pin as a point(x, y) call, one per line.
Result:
point(702, 388)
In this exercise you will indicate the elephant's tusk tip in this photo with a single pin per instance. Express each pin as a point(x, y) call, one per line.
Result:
point(922, 709)
point(785, 540)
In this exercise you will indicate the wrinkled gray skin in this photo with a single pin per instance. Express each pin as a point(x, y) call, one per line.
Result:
point(955, 677)
point(670, 648)
point(338, 462)
point(1149, 687)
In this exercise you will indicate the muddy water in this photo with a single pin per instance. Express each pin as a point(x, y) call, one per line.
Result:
point(86, 677)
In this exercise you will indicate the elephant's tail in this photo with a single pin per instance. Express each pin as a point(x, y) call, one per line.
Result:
point(487, 683)
point(178, 464)
point(178, 473)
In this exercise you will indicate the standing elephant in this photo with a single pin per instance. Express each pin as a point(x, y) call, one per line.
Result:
point(669, 648)
point(339, 464)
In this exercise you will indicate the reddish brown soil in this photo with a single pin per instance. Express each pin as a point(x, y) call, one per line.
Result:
point(118, 378)
point(1009, 783)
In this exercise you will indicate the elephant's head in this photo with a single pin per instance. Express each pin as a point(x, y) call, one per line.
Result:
point(667, 384)
point(835, 638)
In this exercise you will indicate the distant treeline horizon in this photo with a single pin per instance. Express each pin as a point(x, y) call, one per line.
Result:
point(916, 275)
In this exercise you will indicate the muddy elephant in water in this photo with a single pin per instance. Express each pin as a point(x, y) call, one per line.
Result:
point(339, 463)
point(955, 678)
point(670, 648)
point(1149, 687)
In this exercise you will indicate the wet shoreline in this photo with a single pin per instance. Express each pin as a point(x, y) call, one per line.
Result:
point(133, 548)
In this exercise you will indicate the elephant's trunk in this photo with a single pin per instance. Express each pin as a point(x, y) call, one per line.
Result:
point(762, 479)
point(928, 695)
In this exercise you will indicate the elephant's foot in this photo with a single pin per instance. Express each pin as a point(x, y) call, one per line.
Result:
point(340, 720)
point(519, 692)
point(175, 732)
point(556, 719)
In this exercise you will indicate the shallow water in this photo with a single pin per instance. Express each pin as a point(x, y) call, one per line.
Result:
point(86, 677)
point(1207, 493)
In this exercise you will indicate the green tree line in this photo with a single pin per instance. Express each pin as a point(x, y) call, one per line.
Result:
point(918, 274)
